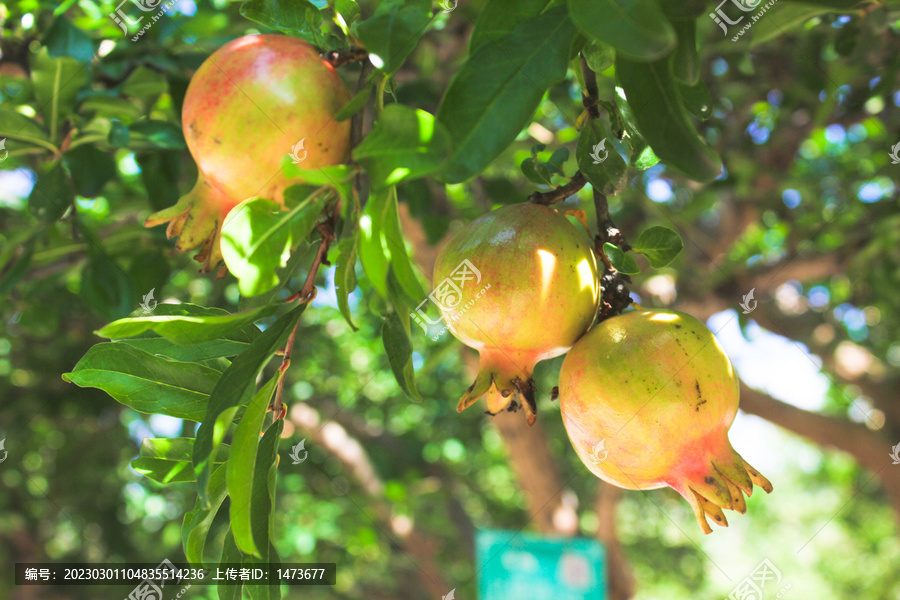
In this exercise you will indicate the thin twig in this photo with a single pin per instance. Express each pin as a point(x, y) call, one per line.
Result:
point(306, 294)
point(615, 295)
point(577, 182)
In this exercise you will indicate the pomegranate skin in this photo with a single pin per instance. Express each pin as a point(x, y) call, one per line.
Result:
point(246, 108)
point(655, 390)
point(542, 296)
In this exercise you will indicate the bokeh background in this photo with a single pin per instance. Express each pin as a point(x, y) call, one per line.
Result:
point(806, 216)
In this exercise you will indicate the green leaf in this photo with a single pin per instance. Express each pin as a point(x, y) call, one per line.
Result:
point(52, 194)
point(286, 16)
point(262, 517)
point(188, 353)
point(233, 390)
point(144, 82)
point(382, 246)
point(499, 17)
point(405, 143)
point(683, 9)
point(168, 460)
point(196, 524)
point(356, 104)
point(685, 61)
point(105, 287)
point(397, 345)
point(17, 126)
point(90, 168)
point(160, 173)
point(622, 262)
point(782, 18)
point(598, 160)
point(336, 177)
point(536, 171)
point(660, 245)
point(257, 238)
point(111, 108)
point(241, 465)
point(144, 382)
point(393, 31)
point(186, 323)
point(230, 554)
point(157, 134)
point(258, 591)
point(495, 93)
point(663, 120)
point(557, 160)
point(637, 28)
point(345, 274)
point(56, 82)
point(119, 135)
point(64, 39)
point(598, 55)
point(642, 156)
point(696, 99)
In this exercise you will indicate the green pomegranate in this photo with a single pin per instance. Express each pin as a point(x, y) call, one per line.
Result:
point(257, 103)
point(519, 285)
point(647, 398)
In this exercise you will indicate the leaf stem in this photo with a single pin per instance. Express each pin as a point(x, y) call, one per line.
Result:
point(379, 96)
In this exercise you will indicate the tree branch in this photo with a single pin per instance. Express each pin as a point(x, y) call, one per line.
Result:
point(864, 445)
point(419, 548)
point(620, 578)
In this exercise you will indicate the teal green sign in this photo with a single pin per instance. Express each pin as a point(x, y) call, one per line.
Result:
point(529, 567)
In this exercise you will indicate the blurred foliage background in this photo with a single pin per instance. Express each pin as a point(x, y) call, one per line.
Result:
point(805, 117)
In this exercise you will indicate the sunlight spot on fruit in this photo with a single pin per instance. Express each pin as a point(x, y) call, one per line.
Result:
point(617, 334)
point(586, 277)
point(376, 61)
point(249, 40)
point(664, 317)
point(548, 266)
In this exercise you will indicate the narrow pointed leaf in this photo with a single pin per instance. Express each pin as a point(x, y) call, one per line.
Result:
point(168, 460)
point(241, 465)
point(637, 28)
point(495, 93)
point(195, 527)
point(234, 388)
point(144, 382)
point(187, 323)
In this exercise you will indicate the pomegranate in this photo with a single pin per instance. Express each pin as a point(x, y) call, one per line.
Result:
point(257, 102)
point(519, 285)
point(647, 398)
